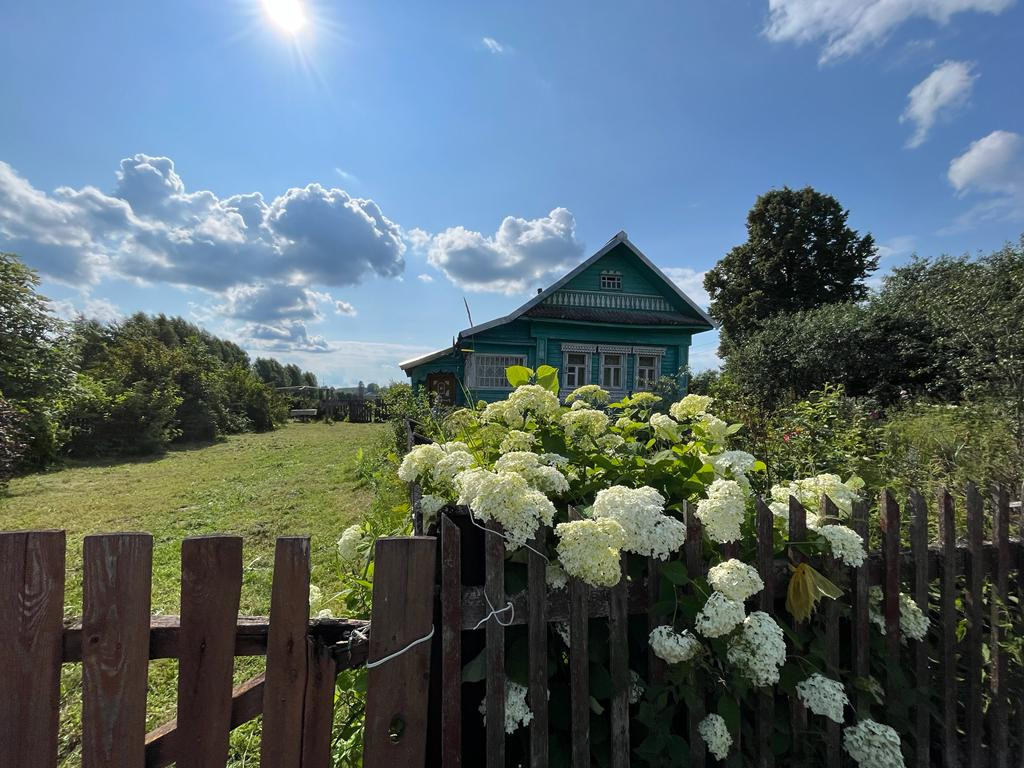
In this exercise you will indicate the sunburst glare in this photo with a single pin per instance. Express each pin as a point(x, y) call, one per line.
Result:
point(288, 15)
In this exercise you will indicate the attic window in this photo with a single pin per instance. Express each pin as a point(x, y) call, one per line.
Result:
point(611, 281)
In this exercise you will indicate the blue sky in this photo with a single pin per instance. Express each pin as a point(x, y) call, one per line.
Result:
point(329, 196)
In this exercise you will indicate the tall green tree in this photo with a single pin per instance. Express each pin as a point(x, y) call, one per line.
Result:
point(799, 254)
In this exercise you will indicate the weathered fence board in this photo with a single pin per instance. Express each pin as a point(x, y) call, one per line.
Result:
point(765, 724)
point(579, 673)
point(494, 553)
point(999, 709)
point(538, 645)
point(860, 626)
point(403, 613)
point(211, 585)
point(31, 624)
point(947, 640)
point(451, 643)
point(797, 533)
point(618, 645)
point(922, 677)
point(693, 553)
point(973, 601)
point(318, 706)
point(117, 571)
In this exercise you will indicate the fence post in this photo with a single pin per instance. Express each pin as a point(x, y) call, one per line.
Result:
point(950, 739)
point(889, 513)
point(397, 691)
point(694, 553)
point(999, 747)
point(538, 640)
point(451, 642)
point(494, 635)
point(31, 630)
point(765, 723)
point(919, 550)
point(973, 601)
point(579, 667)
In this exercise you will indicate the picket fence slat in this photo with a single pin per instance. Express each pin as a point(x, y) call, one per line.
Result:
point(579, 668)
point(765, 723)
point(538, 650)
point(211, 584)
point(284, 692)
point(797, 713)
point(395, 730)
point(656, 668)
point(117, 575)
point(922, 676)
point(889, 518)
point(833, 569)
point(947, 640)
point(31, 625)
point(618, 646)
point(694, 555)
point(860, 627)
point(973, 601)
point(494, 553)
point(998, 661)
point(318, 706)
point(451, 643)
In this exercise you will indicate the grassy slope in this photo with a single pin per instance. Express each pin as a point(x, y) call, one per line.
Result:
point(297, 480)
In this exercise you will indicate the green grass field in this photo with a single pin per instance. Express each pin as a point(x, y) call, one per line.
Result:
point(297, 480)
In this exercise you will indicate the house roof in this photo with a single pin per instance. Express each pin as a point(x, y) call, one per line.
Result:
point(602, 315)
point(620, 238)
point(436, 355)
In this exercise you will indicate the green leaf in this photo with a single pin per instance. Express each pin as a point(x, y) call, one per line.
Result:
point(547, 377)
point(475, 670)
point(729, 709)
point(518, 375)
point(675, 572)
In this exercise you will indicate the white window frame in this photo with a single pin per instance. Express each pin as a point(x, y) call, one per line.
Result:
point(615, 280)
point(585, 379)
point(494, 362)
point(621, 368)
point(636, 370)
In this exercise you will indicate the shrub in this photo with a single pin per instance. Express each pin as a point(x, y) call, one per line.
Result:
point(12, 444)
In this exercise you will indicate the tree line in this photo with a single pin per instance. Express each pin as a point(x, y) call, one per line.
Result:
point(135, 386)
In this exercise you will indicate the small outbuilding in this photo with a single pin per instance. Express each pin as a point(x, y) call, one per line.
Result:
point(615, 320)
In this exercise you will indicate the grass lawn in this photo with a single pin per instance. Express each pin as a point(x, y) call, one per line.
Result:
point(297, 480)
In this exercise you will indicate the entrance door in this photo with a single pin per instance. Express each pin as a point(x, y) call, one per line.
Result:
point(441, 387)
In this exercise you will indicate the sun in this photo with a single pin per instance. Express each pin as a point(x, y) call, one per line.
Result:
point(289, 15)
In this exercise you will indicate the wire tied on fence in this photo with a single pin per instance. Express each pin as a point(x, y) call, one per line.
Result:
point(495, 613)
point(372, 664)
point(473, 520)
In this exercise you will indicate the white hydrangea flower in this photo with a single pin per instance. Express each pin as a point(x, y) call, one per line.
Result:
point(450, 465)
point(502, 412)
point(562, 628)
point(516, 440)
point(914, 624)
point(873, 745)
point(722, 511)
point(716, 735)
point(665, 427)
point(735, 579)
point(536, 400)
point(732, 465)
point(325, 613)
point(591, 394)
point(584, 423)
point(315, 595)
point(554, 460)
point(690, 407)
point(636, 687)
point(673, 647)
point(610, 442)
point(517, 711)
point(508, 499)
point(759, 650)
point(555, 577)
point(622, 422)
point(716, 430)
point(823, 696)
point(579, 405)
point(589, 550)
point(810, 492)
point(540, 476)
point(349, 545)
point(644, 399)
point(847, 545)
point(420, 462)
point(719, 616)
point(641, 513)
point(429, 506)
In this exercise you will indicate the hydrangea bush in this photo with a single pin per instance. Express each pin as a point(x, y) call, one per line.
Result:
point(613, 478)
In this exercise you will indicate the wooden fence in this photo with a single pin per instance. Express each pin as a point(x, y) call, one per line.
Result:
point(117, 637)
point(951, 677)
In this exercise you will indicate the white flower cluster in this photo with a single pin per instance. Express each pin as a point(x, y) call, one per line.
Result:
point(500, 412)
point(315, 594)
point(759, 651)
point(811, 491)
point(716, 735)
point(555, 577)
point(673, 647)
point(646, 529)
point(719, 616)
point(535, 400)
point(732, 465)
point(349, 546)
point(847, 545)
point(873, 745)
point(823, 696)
point(528, 465)
point(636, 687)
point(516, 440)
point(715, 430)
point(722, 511)
point(429, 506)
point(589, 550)
point(665, 427)
point(735, 579)
point(584, 423)
point(914, 624)
point(591, 394)
point(517, 711)
point(508, 499)
point(690, 407)
point(610, 442)
point(437, 462)
point(450, 465)
point(562, 628)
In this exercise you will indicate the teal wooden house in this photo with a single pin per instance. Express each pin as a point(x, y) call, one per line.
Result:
point(615, 320)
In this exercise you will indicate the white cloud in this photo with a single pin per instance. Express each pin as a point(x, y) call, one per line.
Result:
point(895, 247)
point(940, 94)
point(520, 255)
point(845, 27)
point(425, 278)
point(493, 45)
point(103, 310)
point(992, 166)
point(691, 282)
point(344, 308)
